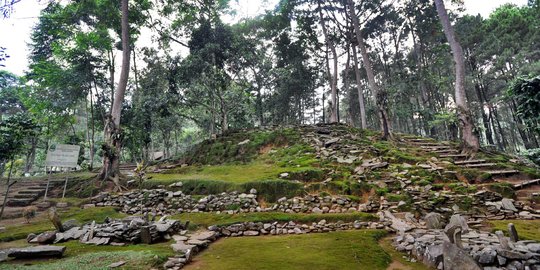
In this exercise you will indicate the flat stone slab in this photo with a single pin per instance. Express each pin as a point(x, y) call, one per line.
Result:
point(38, 251)
point(181, 247)
point(208, 235)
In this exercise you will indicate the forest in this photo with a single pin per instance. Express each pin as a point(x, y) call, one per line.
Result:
point(125, 79)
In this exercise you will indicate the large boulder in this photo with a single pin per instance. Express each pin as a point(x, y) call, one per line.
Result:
point(457, 259)
point(459, 221)
point(434, 221)
point(37, 251)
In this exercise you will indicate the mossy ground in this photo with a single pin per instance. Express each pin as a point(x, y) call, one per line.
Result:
point(336, 250)
point(527, 229)
point(98, 260)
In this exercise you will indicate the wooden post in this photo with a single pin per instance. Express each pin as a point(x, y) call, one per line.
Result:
point(65, 186)
point(48, 182)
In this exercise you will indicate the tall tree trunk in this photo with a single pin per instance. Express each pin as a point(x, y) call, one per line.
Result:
point(112, 134)
point(8, 186)
point(379, 95)
point(363, 120)
point(470, 140)
point(332, 77)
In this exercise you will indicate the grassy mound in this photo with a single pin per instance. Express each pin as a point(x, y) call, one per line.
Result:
point(336, 250)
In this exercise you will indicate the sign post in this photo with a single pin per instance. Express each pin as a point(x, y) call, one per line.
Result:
point(63, 156)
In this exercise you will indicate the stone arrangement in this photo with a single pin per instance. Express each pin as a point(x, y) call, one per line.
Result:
point(459, 247)
point(276, 228)
point(162, 202)
point(315, 204)
point(114, 232)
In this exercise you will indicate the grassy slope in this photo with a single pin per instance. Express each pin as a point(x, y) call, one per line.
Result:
point(527, 229)
point(234, 173)
point(336, 250)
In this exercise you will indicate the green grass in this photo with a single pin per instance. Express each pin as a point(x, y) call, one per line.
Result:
point(527, 229)
point(335, 250)
point(41, 224)
point(96, 261)
point(235, 173)
point(207, 219)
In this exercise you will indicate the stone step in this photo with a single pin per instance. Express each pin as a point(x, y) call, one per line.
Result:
point(26, 196)
point(20, 202)
point(501, 172)
point(437, 147)
point(481, 165)
point(421, 140)
point(429, 144)
point(32, 191)
point(454, 156)
point(446, 151)
point(527, 183)
point(469, 161)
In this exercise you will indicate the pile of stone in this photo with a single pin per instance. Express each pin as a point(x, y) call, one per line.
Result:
point(315, 204)
point(162, 202)
point(187, 245)
point(276, 228)
point(459, 247)
point(114, 231)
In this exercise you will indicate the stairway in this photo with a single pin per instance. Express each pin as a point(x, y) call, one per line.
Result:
point(525, 189)
point(24, 192)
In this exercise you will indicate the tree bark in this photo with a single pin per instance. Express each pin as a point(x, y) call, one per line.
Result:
point(470, 140)
point(363, 120)
point(112, 134)
point(7, 189)
point(332, 77)
point(378, 94)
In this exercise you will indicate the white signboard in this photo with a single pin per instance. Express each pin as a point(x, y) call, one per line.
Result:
point(63, 155)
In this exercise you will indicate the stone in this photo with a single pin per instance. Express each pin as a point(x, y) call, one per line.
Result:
point(55, 219)
point(30, 237)
point(502, 240)
point(433, 255)
point(513, 233)
point(3, 256)
point(62, 204)
point(252, 191)
point(433, 221)
point(487, 256)
point(89, 205)
point(508, 204)
point(116, 264)
point(455, 258)
point(251, 233)
point(146, 237)
point(458, 220)
point(182, 247)
point(37, 251)
point(534, 247)
point(69, 224)
point(46, 237)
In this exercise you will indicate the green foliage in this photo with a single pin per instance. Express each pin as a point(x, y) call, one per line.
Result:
point(505, 189)
point(14, 130)
point(527, 96)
